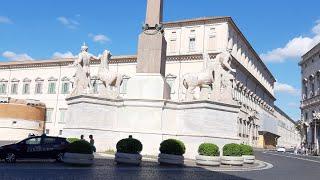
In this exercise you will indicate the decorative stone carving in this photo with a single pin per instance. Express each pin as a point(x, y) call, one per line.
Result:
point(111, 80)
point(82, 83)
point(200, 79)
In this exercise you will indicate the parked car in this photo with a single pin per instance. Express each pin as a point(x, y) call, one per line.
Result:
point(281, 149)
point(40, 147)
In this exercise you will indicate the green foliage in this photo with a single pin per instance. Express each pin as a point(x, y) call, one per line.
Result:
point(246, 149)
point(71, 140)
point(129, 145)
point(208, 149)
point(232, 150)
point(80, 146)
point(172, 146)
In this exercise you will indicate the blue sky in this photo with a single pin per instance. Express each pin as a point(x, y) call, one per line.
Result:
point(280, 31)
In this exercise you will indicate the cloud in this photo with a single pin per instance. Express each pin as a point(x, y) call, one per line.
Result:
point(286, 88)
point(5, 20)
point(16, 57)
point(59, 55)
point(295, 48)
point(99, 38)
point(69, 23)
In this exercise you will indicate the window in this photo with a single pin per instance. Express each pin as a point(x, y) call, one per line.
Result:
point(47, 131)
point(14, 88)
point(60, 132)
point(33, 141)
point(62, 115)
point(3, 87)
point(65, 88)
point(123, 87)
point(38, 88)
point(173, 44)
point(26, 88)
point(212, 44)
point(95, 84)
point(52, 88)
point(192, 44)
point(49, 115)
point(49, 140)
point(171, 80)
point(312, 89)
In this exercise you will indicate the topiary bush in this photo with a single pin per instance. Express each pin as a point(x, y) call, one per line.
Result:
point(129, 145)
point(80, 146)
point(71, 140)
point(246, 149)
point(232, 150)
point(172, 146)
point(208, 149)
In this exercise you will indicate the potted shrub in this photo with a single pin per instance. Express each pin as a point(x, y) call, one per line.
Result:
point(79, 153)
point(232, 155)
point(128, 151)
point(209, 155)
point(247, 154)
point(171, 152)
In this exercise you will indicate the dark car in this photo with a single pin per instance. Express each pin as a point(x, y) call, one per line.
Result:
point(40, 147)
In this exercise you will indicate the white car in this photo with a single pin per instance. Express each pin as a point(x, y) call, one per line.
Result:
point(281, 149)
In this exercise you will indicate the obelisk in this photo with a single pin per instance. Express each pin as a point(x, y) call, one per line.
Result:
point(149, 82)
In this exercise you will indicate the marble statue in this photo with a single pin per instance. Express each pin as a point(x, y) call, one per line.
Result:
point(204, 78)
point(111, 80)
point(81, 84)
point(227, 77)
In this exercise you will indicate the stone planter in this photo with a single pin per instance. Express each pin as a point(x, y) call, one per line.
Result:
point(248, 159)
point(208, 160)
point(128, 158)
point(232, 160)
point(170, 159)
point(79, 159)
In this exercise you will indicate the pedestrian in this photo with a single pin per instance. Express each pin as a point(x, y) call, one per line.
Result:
point(92, 143)
point(82, 137)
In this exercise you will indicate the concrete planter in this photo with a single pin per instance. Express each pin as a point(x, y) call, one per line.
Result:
point(232, 160)
point(79, 159)
point(170, 159)
point(208, 160)
point(127, 158)
point(248, 159)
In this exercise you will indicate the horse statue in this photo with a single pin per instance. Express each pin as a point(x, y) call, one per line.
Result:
point(192, 80)
point(111, 80)
point(207, 76)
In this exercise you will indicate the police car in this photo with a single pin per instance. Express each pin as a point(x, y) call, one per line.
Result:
point(39, 147)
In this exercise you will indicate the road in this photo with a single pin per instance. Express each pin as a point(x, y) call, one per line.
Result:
point(286, 166)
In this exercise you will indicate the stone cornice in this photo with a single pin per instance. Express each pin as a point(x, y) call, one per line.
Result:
point(310, 53)
point(114, 60)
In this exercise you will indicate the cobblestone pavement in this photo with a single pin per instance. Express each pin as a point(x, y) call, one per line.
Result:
point(285, 166)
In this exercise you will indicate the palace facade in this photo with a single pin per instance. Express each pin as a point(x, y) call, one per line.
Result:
point(310, 94)
point(50, 81)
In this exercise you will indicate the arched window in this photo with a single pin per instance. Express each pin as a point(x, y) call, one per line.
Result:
point(38, 86)
point(65, 85)
point(14, 86)
point(3, 86)
point(52, 83)
point(26, 86)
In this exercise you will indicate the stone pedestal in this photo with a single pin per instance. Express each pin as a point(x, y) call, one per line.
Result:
point(148, 86)
point(151, 121)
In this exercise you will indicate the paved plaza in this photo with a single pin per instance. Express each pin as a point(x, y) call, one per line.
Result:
point(285, 166)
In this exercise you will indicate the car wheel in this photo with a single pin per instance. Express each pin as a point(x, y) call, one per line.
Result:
point(10, 158)
point(59, 157)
